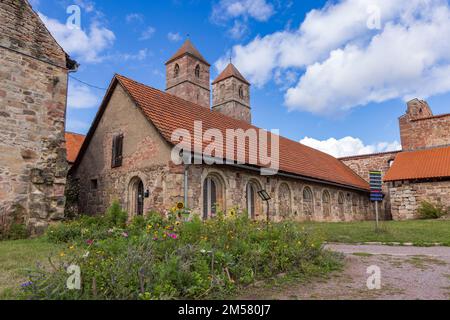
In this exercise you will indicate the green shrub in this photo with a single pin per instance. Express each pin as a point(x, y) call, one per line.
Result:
point(116, 216)
point(428, 210)
point(158, 258)
point(17, 231)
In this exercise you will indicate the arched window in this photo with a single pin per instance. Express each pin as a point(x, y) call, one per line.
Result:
point(212, 196)
point(197, 71)
point(284, 198)
point(341, 204)
point(326, 203)
point(355, 204)
point(253, 201)
point(241, 92)
point(176, 71)
point(308, 201)
point(366, 205)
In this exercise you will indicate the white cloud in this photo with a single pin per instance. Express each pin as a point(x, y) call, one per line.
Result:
point(134, 17)
point(346, 64)
point(147, 33)
point(238, 30)
point(174, 36)
point(81, 97)
point(349, 146)
point(229, 9)
point(81, 45)
point(139, 56)
point(240, 11)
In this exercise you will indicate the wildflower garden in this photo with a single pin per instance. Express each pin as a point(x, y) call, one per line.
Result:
point(177, 256)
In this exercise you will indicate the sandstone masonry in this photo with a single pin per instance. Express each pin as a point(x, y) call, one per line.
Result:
point(33, 92)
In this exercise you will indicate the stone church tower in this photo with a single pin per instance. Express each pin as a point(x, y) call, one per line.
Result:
point(231, 94)
point(188, 75)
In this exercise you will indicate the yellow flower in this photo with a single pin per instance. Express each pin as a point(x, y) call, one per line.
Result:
point(72, 247)
point(180, 205)
point(62, 254)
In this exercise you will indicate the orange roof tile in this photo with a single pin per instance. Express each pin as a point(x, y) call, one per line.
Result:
point(74, 141)
point(187, 48)
point(230, 71)
point(168, 113)
point(422, 164)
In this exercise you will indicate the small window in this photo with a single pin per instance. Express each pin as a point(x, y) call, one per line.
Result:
point(176, 71)
point(197, 71)
point(117, 151)
point(94, 184)
point(241, 92)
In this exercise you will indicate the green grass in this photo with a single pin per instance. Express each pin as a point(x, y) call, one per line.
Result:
point(418, 232)
point(18, 256)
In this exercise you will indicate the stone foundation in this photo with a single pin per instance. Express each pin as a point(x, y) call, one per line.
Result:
point(406, 197)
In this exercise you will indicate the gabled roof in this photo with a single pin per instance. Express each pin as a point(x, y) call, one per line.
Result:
point(168, 113)
point(74, 141)
point(421, 164)
point(187, 49)
point(230, 71)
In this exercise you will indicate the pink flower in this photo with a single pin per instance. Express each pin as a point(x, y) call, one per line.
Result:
point(155, 239)
point(89, 242)
point(173, 236)
point(125, 235)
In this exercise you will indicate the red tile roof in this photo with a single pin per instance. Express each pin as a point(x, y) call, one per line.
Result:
point(168, 113)
point(74, 142)
point(230, 71)
point(187, 48)
point(422, 164)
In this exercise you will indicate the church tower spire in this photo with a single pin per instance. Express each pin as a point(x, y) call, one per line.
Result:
point(188, 74)
point(231, 94)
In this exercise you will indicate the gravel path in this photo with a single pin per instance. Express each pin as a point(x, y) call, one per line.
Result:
point(406, 273)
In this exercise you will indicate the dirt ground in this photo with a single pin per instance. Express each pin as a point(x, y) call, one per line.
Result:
point(406, 273)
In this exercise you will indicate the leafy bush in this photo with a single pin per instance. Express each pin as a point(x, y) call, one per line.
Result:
point(116, 216)
point(166, 258)
point(16, 231)
point(428, 210)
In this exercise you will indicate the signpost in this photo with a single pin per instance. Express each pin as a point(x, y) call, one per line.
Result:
point(376, 193)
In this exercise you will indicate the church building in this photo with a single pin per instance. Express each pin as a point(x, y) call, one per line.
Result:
point(127, 154)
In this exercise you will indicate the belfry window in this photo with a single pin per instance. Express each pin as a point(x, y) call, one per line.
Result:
point(197, 71)
point(241, 92)
point(176, 71)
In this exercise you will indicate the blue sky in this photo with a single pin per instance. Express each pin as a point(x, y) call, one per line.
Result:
point(337, 72)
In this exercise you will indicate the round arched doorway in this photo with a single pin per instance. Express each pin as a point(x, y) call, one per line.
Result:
point(136, 197)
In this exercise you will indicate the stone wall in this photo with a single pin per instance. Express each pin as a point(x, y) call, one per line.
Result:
point(406, 196)
point(362, 165)
point(145, 155)
point(33, 91)
point(354, 207)
point(187, 85)
point(419, 129)
point(227, 101)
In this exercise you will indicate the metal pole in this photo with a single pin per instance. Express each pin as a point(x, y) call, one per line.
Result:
point(376, 212)
point(268, 214)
